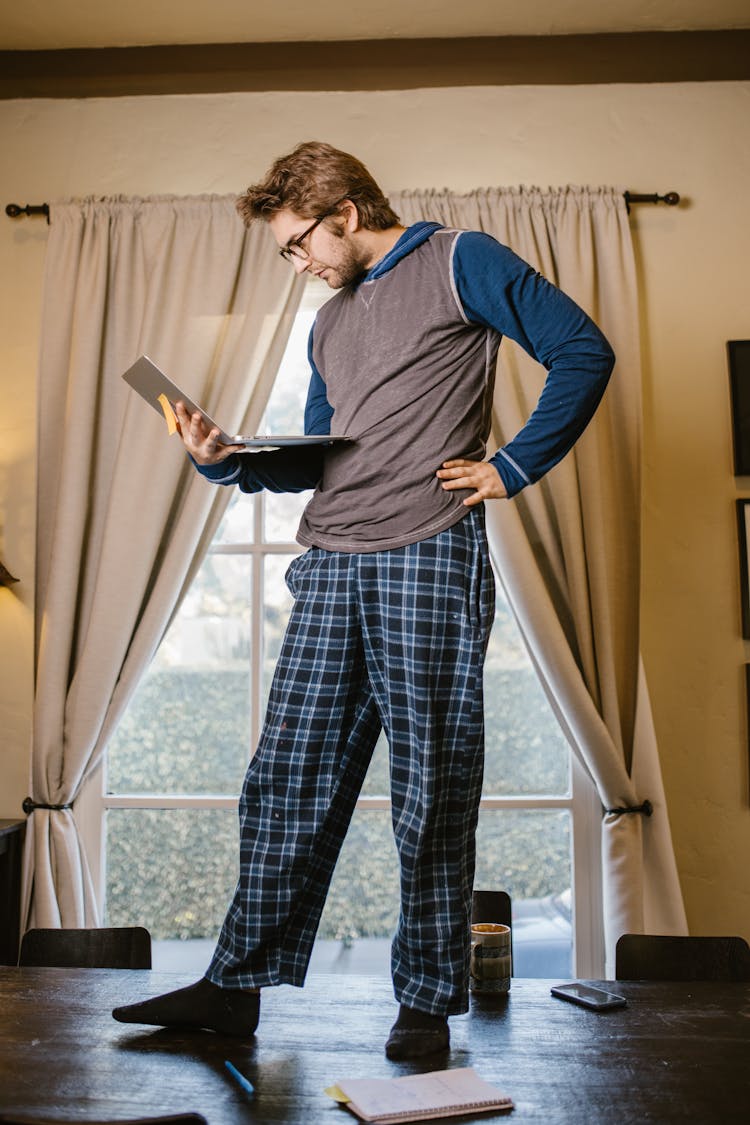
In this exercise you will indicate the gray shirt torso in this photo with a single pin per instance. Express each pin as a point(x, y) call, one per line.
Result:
point(411, 379)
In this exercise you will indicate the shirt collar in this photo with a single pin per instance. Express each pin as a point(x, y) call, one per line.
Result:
point(412, 237)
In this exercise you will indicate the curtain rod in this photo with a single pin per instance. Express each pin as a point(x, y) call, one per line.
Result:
point(15, 211)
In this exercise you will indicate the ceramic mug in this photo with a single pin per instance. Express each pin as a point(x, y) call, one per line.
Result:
point(490, 957)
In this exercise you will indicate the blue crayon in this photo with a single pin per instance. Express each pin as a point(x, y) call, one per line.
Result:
point(240, 1078)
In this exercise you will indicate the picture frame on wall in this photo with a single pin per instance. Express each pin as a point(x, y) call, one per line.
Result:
point(743, 535)
point(739, 382)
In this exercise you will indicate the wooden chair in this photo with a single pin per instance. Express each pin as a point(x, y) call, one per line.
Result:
point(126, 947)
point(492, 906)
point(175, 1119)
point(657, 957)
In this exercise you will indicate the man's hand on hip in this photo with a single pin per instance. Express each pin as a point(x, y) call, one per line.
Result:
point(479, 475)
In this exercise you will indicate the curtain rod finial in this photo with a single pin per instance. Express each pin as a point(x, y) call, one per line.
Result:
point(15, 210)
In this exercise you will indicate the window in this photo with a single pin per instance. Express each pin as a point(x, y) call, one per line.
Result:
point(161, 818)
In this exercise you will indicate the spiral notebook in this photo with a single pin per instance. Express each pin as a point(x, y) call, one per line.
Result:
point(419, 1097)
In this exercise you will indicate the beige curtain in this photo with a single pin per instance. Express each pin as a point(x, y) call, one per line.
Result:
point(123, 519)
point(568, 549)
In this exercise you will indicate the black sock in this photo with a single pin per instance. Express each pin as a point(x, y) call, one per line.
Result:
point(415, 1034)
point(229, 1011)
point(411, 1018)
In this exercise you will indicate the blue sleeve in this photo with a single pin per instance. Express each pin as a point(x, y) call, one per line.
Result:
point(279, 470)
point(502, 291)
point(318, 410)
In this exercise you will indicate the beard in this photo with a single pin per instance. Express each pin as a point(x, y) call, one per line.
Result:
point(351, 264)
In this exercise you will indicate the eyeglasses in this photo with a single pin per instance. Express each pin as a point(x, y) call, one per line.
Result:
point(294, 248)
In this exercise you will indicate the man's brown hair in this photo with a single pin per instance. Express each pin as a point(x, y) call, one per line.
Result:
point(311, 180)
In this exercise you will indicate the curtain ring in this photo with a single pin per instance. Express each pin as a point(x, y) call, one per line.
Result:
point(646, 808)
point(29, 805)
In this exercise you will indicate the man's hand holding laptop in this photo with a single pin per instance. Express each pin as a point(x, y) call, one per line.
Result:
point(201, 442)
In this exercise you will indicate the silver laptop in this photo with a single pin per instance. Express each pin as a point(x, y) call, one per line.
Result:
point(151, 384)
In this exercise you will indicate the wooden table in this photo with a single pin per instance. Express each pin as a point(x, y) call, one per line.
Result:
point(677, 1053)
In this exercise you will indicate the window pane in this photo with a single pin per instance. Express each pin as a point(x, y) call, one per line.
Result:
point(528, 854)
point(378, 780)
point(174, 871)
point(364, 897)
point(171, 870)
point(526, 752)
point(525, 852)
point(286, 405)
point(237, 522)
point(282, 513)
point(187, 729)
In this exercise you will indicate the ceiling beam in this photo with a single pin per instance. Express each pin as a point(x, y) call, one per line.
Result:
point(382, 64)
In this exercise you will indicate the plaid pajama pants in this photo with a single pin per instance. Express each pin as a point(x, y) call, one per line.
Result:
point(394, 639)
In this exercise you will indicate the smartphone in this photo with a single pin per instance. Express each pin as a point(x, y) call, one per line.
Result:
point(589, 997)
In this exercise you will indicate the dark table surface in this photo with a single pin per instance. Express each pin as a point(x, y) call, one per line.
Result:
point(677, 1053)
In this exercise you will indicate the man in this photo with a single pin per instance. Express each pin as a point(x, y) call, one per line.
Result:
point(394, 598)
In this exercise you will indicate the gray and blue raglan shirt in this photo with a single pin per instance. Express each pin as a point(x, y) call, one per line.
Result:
point(404, 362)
